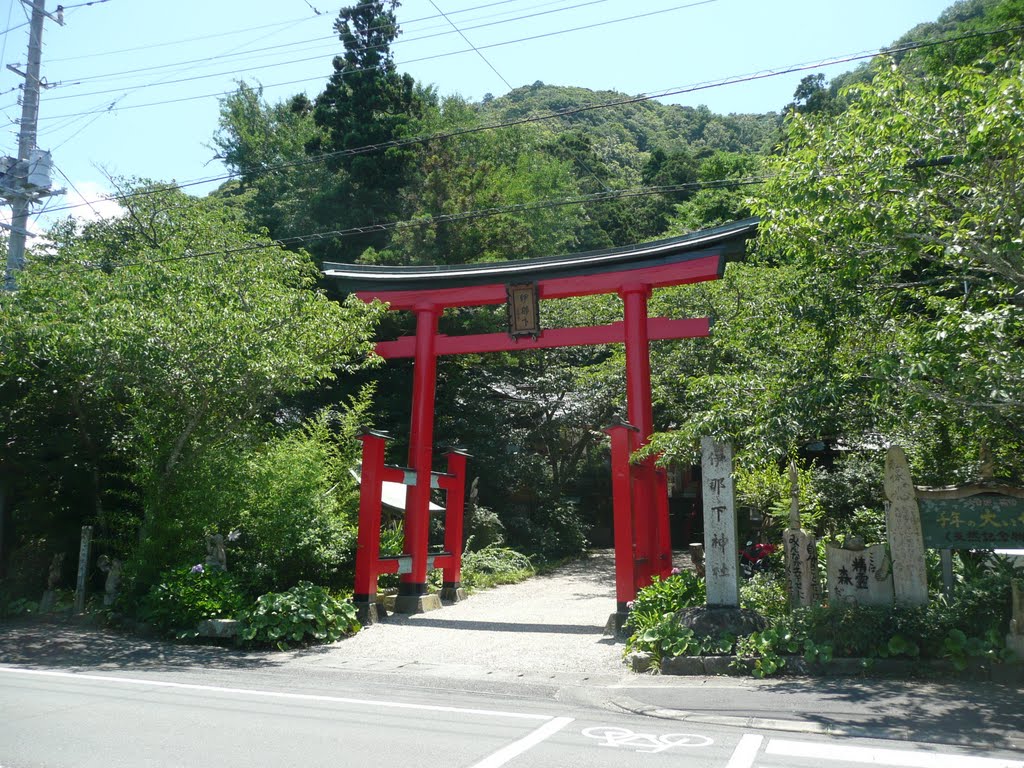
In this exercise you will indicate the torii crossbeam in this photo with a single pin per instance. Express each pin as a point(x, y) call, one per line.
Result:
point(631, 272)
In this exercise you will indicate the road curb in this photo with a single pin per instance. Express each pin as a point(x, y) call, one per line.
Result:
point(841, 730)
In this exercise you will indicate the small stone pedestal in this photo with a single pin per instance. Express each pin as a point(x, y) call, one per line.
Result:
point(713, 621)
point(48, 602)
point(410, 604)
point(369, 613)
point(452, 592)
point(615, 624)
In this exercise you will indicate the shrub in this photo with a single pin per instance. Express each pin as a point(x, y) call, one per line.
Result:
point(484, 526)
point(299, 509)
point(765, 592)
point(185, 596)
point(304, 614)
point(551, 533)
point(680, 590)
point(667, 637)
point(493, 565)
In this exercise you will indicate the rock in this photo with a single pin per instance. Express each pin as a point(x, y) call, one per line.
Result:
point(714, 622)
point(683, 665)
point(639, 661)
point(218, 628)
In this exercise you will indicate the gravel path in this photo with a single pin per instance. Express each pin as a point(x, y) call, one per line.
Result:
point(547, 626)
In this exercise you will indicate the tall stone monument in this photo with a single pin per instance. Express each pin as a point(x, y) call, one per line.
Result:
point(903, 527)
point(721, 548)
point(801, 552)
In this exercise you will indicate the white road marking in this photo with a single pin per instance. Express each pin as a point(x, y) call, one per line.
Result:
point(745, 752)
point(648, 743)
point(269, 694)
point(891, 757)
point(529, 741)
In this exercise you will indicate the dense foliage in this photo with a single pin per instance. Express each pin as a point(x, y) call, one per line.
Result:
point(970, 625)
point(178, 371)
point(301, 615)
point(143, 361)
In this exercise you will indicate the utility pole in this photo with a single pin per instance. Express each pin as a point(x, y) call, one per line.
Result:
point(26, 179)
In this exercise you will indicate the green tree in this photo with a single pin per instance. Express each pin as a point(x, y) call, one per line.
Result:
point(478, 171)
point(366, 103)
point(265, 144)
point(722, 195)
point(166, 335)
point(972, 22)
point(913, 198)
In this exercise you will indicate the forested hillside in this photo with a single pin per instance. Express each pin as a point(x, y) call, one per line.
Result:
point(219, 391)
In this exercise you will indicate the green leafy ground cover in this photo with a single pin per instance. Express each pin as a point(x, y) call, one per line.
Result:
point(972, 625)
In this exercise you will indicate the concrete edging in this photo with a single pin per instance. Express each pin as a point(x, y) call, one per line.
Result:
point(713, 666)
point(888, 668)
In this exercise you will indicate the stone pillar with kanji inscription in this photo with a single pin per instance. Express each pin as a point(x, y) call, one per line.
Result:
point(903, 527)
point(860, 574)
point(721, 549)
point(801, 552)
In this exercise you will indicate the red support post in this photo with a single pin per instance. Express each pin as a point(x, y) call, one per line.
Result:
point(455, 505)
point(664, 549)
point(639, 414)
point(622, 437)
point(368, 537)
point(421, 435)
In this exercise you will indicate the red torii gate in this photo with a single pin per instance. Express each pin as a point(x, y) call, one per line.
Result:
point(642, 539)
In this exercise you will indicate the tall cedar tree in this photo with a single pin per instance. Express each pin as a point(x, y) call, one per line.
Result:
point(367, 102)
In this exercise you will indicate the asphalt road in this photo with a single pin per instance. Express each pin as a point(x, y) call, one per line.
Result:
point(57, 718)
point(519, 675)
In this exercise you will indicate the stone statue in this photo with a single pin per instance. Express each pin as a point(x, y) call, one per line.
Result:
point(112, 567)
point(697, 558)
point(49, 599)
point(56, 566)
point(216, 556)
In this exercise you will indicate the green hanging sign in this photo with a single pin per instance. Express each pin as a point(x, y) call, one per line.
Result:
point(975, 521)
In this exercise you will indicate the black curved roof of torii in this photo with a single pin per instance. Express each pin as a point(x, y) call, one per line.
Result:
point(727, 240)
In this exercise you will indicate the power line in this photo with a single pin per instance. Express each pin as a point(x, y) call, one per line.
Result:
point(72, 185)
point(83, 5)
point(562, 113)
point(409, 61)
point(470, 44)
point(405, 40)
point(10, 12)
point(314, 10)
point(16, 26)
point(182, 41)
point(109, 107)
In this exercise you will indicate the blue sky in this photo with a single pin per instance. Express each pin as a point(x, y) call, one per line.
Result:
point(135, 83)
